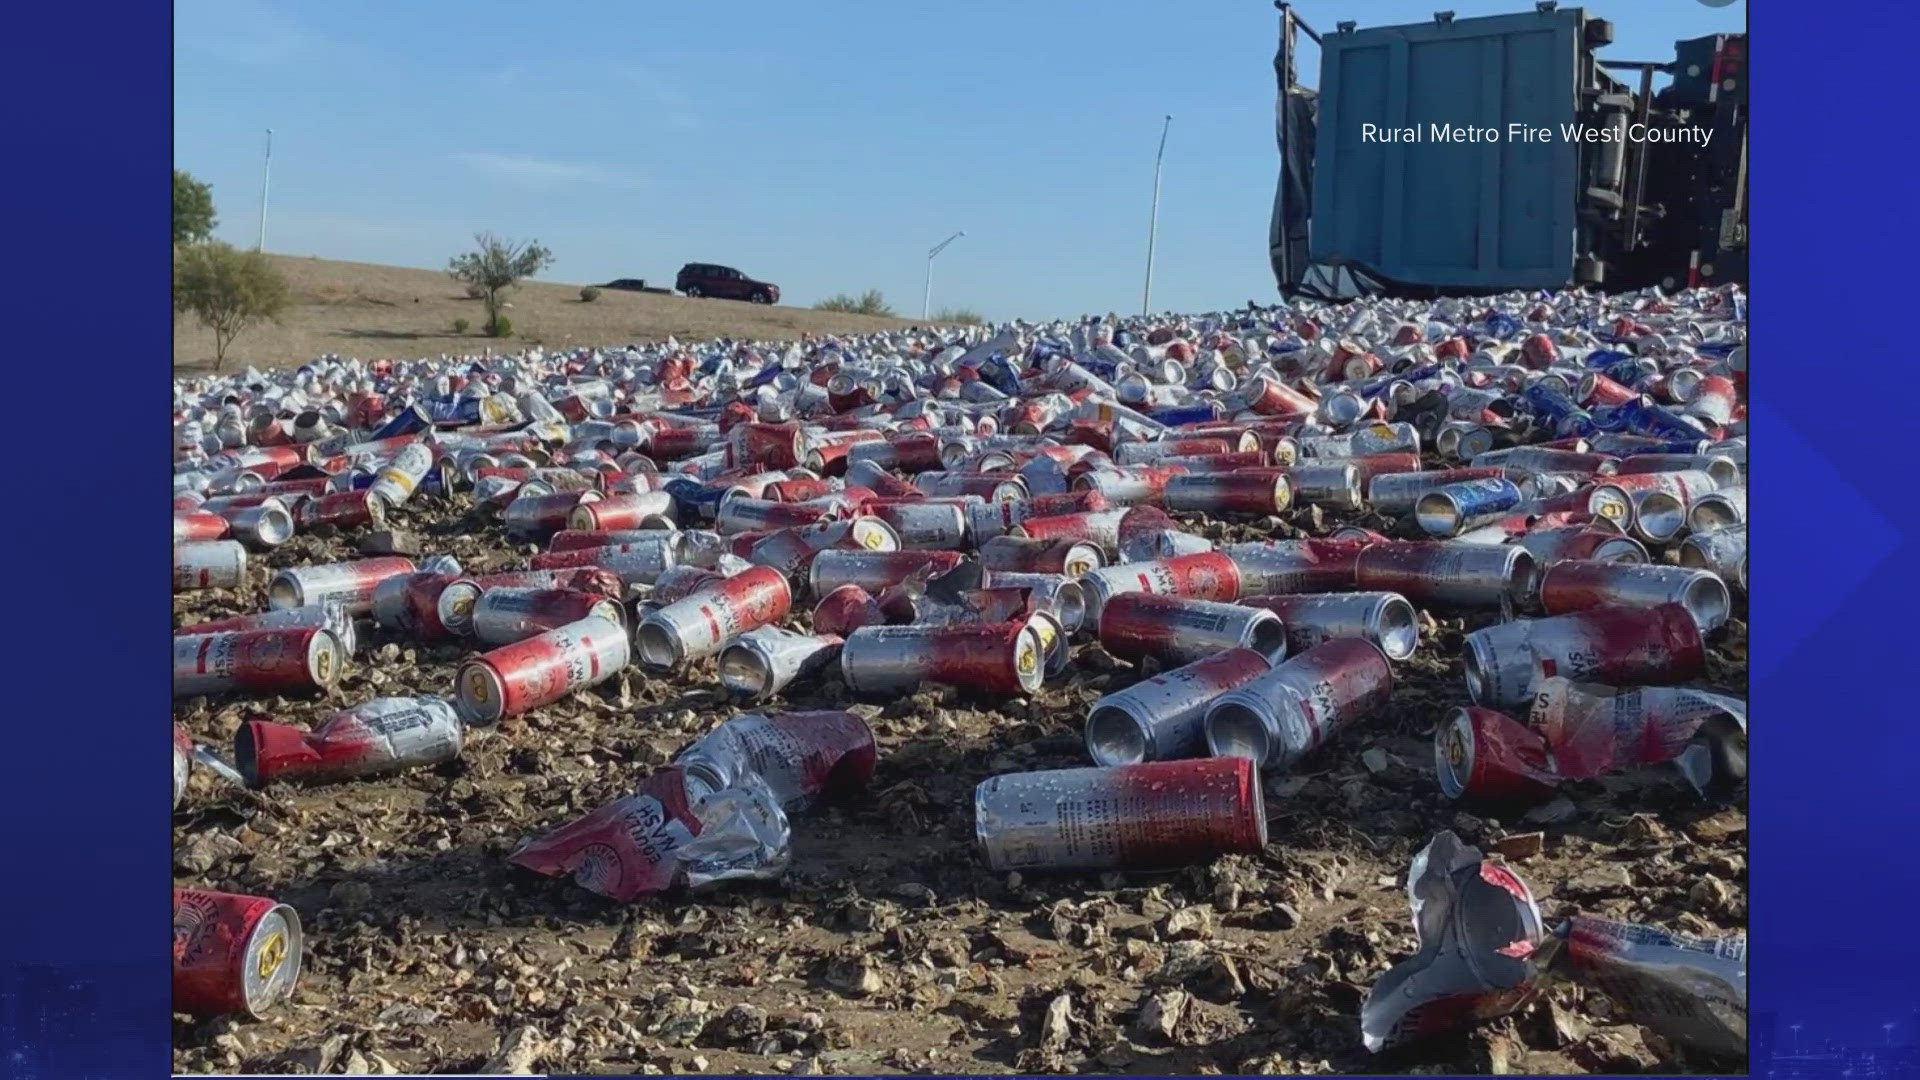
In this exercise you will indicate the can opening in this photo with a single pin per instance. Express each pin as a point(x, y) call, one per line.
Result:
point(1623, 549)
point(1706, 597)
point(1269, 638)
point(1521, 578)
point(1398, 630)
point(1659, 516)
point(1437, 514)
point(1235, 730)
point(1453, 753)
point(657, 647)
point(1693, 555)
point(283, 593)
point(1070, 604)
point(1474, 664)
point(1712, 512)
point(272, 526)
point(1114, 737)
point(743, 672)
point(246, 756)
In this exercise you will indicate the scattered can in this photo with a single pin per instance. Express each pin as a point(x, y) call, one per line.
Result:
point(1479, 753)
point(1455, 508)
point(1621, 646)
point(329, 616)
point(1286, 713)
point(209, 564)
point(503, 616)
point(1577, 584)
point(699, 625)
point(1178, 630)
point(1005, 659)
point(279, 660)
point(1384, 618)
point(1210, 575)
point(351, 584)
point(375, 738)
point(1020, 555)
point(1294, 566)
point(540, 670)
point(232, 954)
point(762, 662)
point(804, 757)
point(1159, 719)
point(1447, 573)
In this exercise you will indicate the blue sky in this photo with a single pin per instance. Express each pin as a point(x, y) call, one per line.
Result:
point(823, 146)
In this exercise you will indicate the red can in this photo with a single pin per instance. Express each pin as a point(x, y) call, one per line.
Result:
point(641, 511)
point(504, 616)
point(625, 849)
point(410, 603)
point(1482, 754)
point(300, 658)
point(1271, 397)
point(793, 491)
point(875, 570)
point(540, 670)
point(846, 609)
point(1101, 527)
point(767, 446)
point(199, 525)
point(998, 659)
point(377, 737)
point(232, 954)
point(1539, 352)
point(1235, 493)
point(341, 509)
point(1150, 816)
point(701, 623)
point(530, 515)
point(1206, 575)
point(803, 756)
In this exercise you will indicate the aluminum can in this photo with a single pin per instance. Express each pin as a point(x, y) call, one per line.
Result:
point(1482, 754)
point(846, 609)
point(1056, 594)
point(1131, 485)
point(1363, 442)
point(680, 582)
point(200, 526)
point(804, 757)
point(329, 616)
point(875, 571)
point(634, 511)
point(585, 540)
point(396, 483)
point(538, 514)
point(738, 514)
point(1456, 508)
point(455, 606)
point(699, 625)
point(1723, 551)
point(182, 763)
point(349, 583)
point(1549, 546)
point(1289, 566)
point(990, 519)
point(1327, 483)
point(924, 525)
point(993, 487)
point(375, 738)
point(1386, 619)
point(1285, 714)
point(1447, 573)
point(301, 658)
point(635, 561)
point(1721, 468)
point(1621, 646)
point(506, 615)
point(1577, 584)
point(1691, 990)
point(1175, 630)
point(209, 564)
point(1544, 459)
point(762, 662)
point(542, 669)
point(1718, 509)
point(1210, 575)
point(341, 510)
point(233, 955)
point(792, 551)
point(1151, 816)
point(1100, 527)
point(266, 525)
point(1260, 492)
point(1019, 555)
point(1397, 493)
point(1617, 497)
point(1593, 730)
point(411, 603)
point(997, 659)
point(1142, 453)
point(1159, 719)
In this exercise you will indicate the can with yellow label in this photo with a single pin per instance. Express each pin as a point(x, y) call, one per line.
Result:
point(232, 954)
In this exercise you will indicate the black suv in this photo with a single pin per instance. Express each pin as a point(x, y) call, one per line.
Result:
point(706, 279)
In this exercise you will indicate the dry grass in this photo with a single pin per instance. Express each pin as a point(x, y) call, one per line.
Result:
point(370, 311)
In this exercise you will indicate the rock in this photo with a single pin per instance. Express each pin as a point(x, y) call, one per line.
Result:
point(318, 1059)
point(855, 976)
point(1558, 812)
point(1376, 760)
point(1722, 826)
point(350, 894)
point(1711, 894)
point(389, 542)
point(519, 1049)
point(736, 1025)
point(1162, 1014)
point(699, 1063)
point(1283, 916)
point(1056, 1024)
point(1193, 922)
point(1551, 1027)
point(206, 851)
point(1520, 845)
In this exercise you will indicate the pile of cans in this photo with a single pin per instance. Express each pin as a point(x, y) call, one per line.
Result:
point(983, 510)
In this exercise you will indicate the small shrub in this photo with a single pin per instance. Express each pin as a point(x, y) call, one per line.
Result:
point(460, 326)
point(867, 303)
point(589, 294)
point(502, 326)
point(966, 316)
point(475, 292)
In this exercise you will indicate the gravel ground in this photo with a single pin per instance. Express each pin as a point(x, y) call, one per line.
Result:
point(890, 947)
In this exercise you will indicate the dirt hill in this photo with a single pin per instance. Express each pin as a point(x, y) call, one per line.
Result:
point(370, 311)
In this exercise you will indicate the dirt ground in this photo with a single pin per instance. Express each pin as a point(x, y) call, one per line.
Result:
point(370, 311)
point(889, 947)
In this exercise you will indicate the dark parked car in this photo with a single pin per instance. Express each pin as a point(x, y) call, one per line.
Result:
point(629, 284)
point(706, 279)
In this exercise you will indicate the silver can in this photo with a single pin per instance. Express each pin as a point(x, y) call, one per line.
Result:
point(1447, 573)
point(1149, 816)
point(349, 583)
point(925, 526)
point(1617, 645)
point(762, 662)
point(1723, 551)
point(1019, 555)
point(1577, 584)
point(701, 624)
point(641, 562)
point(397, 482)
point(1718, 509)
point(502, 616)
point(1176, 630)
point(1007, 659)
point(1159, 719)
point(327, 616)
point(374, 738)
point(1058, 595)
point(1285, 714)
point(1361, 442)
point(1387, 619)
point(1326, 483)
point(209, 564)
point(267, 525)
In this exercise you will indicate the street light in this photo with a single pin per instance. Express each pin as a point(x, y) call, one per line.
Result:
point(926, 302)
point(1153, 224)
point(266, 173)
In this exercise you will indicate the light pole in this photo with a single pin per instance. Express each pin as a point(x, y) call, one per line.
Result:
point(926, 302)
point(266, 174)
point(1153, 223)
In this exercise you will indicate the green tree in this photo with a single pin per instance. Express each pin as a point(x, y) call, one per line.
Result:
point(967, 316)
point(494, 267)
point(227, 290)
point(193, 219)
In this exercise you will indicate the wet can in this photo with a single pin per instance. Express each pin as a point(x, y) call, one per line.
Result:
point(1721, 468)
point(329, 616)
point(1020, 555)
point(997, 659)
point(1458, 507)
point(209, 564)
point(1447, 573)
point(1621, 496)
point(233, 955)
point(586, 540)
point(990, 519)
point(341, 510)
point(1386, 619)
point(633, 511)
point(1577, 584)
point(503, 616)
point(375, 738)
point(182, 763)
point(1208, 575)
point(1324, 483)
point(636, 562)
point(1285, 714)
point(1176, 630)
point(993, 487)
point(262, 526)
point(679, 582)
point(1159, 719)
point(1723, 551)
point(200, 526)
point(1691, 990)
point(1100, 527)
point(540, 514)
point(411, 603)
point(455, 606)
point(846, 609)
point(540, 670)
point(700, 624)
point(1141, 453)
point(1621, 646)
point(875, 571)
point(1594, 730)
point(762, 662)
point(349, 583)
point(1479, 753)
point(1255, 492)
point(924, 525)
point(1151, 816)
point(1399, 492)
point(291, 659)
point(1057, 594)
point(804, 757)
point(1289, 566)
point(1549, 546)
point(1130, 485)
point(739, 514)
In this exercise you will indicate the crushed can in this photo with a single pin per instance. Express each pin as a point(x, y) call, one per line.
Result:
point(376, 738)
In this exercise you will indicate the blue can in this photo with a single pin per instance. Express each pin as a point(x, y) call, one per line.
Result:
point(1177, 415)
point(1001, 374)
point(1502, 325)
point(407, 421)
point(692, 499)
point(1554, 406)
point(1646, 418)
point(1452, 509)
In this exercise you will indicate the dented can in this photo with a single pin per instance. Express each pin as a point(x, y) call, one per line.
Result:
point(762, 662)
point(846, 609)
point(280, 660)
point(341, 510)
point(540, 670)
point(633, 511)
point(455, 606)
point(1723, 551)
point(1159, 719)
point(1151, 816)
point(351, 584)
point(1019, 555)
point(1593, 730)
point(1577, 584)
point(503, 616)
point(804, 757)
point(924, 525)
point(1622, 646)
point(1286, 713)
point(534, 515)
point(232, 954)
point(1384, 618)
point(209, 564)
point(1479, 753)
point(1178, 630)
point(1455, 508)
point(411, 603)
point(1397, 493)
point(699, 625)
point(375, 738)
point(1549, 546)
point(1691, 990)
point(182, 763)
point(266, 525)
point(1057, 594)
point(1003, 659)
point(875, 571)
point(1209, 575)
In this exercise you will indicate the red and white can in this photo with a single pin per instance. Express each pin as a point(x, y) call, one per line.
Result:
point(804, 757)
point(792, 551)
point(846, 609)
point(1577, 584)
point(1019, 555)
point(209, 564)
point(644, 557)
point(924, 524)
point(198, 526)
point(351, 584)
point(333, 616)
point(410, 603)
point(764, 661)
point(1156, 815)
point(456, 602)
point(1289, 566)
point(232, 954)
point(1159, 719)
point(504, 616)
point(1207, 575)
point(1594, 730)
point(536, 514)
point(875, 571)
point(1177, 630)
point(699, 625)
point(1620, 646)
point(1482, 754)
point(1000, 659)
point(1100, 527)
point(1282, 716)
point(341, 510)
point(256, 660)
point(1383, 618)
point(741, 514)
point(644, 510)
point(1447, 573)
point(1266, 491)
point(375, 738)
point(182, 763)
point(540, 670)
